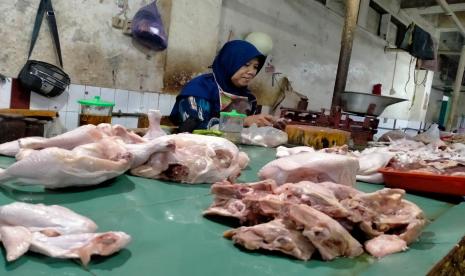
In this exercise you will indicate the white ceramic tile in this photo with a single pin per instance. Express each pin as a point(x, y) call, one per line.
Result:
point(386, 122)
point(135, 102)
point(131, 122)
point(149, 101)
point(118, 120)
point(59, 103)
point(76, 92)
point(107, 94)
point(91, 92)
point(39, 102)
point(401, 124)
point(164, 104)
point(121, 100)
point(72, 119)
point(414, 124)
point(62, 117)
point(172, 100)
point(5, 93)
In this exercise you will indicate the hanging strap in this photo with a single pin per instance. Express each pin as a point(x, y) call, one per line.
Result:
point(45, 7)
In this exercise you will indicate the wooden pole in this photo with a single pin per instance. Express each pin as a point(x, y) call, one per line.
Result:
point(350, 23)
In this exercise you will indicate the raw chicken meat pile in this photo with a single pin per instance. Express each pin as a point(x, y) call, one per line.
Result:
point(54, 231)
point(404, 155)
point(90, 155)
point(303, 218)
point(435, 158)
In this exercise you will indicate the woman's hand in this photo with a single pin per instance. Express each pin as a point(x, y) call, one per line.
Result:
point(259, 119)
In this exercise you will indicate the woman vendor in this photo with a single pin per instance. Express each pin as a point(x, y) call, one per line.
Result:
point(225, 89)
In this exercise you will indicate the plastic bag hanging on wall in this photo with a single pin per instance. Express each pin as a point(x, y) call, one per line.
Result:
point(147, 28)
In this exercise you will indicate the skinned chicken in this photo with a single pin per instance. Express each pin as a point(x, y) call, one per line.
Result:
point(82, 135)
point(53, 220)
point(85, 134)
point(196, 159)
point(89, 164)
point(312, 166)
point(370, 159)
point(54, 231)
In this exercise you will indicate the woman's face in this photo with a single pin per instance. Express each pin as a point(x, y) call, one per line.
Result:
point(246, 73)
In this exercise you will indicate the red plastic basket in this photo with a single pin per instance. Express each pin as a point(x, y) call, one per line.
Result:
point(424, 182)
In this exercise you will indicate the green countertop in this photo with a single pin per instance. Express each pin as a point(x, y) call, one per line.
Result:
point(170, 236)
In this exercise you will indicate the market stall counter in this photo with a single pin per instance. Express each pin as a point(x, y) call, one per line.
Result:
point(171, 237)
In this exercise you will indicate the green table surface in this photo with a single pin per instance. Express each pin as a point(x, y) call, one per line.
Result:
point(170, 236)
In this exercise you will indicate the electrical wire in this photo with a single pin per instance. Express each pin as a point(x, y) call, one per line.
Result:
point(423, 82)
point(408, 79)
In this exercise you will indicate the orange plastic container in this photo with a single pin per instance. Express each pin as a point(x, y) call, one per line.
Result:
point(424, 182)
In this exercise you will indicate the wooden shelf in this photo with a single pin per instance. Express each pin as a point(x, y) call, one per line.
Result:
point(30, 113)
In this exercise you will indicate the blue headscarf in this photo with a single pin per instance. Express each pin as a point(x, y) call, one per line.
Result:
point(231, 58)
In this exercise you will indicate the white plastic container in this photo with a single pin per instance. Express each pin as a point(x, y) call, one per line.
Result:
point(231, 124)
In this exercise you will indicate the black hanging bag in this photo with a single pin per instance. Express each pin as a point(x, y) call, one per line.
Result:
point(42, 77)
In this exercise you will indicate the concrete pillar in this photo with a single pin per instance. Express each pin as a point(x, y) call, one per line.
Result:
point(456, 92)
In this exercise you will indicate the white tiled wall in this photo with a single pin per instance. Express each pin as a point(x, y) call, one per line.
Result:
point(387, 124)
point(128, 102)
point(165, 103)
point(121, 101)
point(125, 101)
point(149, 101)
point(5, 94)
point(401, 124)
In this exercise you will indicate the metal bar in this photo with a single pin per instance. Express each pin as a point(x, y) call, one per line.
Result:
point(449, 53)
point(448, 11)
point(456, 92)
point(123, 114)
point(350, 23)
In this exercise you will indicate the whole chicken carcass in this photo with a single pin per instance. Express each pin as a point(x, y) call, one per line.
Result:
point(196, 159)
point(54, 231)
point(312, 166)
point(69, 140)
point(52, 220)
point(89, 164)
